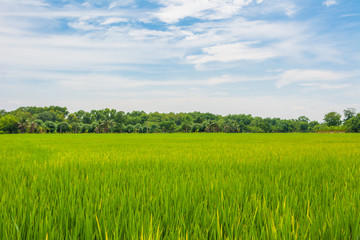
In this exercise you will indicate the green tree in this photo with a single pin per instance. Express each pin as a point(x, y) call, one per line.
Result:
point(197, 127)
point(87, 118)
point(230, 126)
point(120, 117)
point(47, 116)
point(353, 124)
point(332, 119)
point(130, 128)
point(279, 125)
point(133, 120)
point(109, 113)
point(50, 126)
point(23, 121)
point(263, 124)
point(211, 126)
point(85, 128)
point(138, 128)
point(186, 122)
point(58, 110)
point(72, 118)
point(39, 126)
point(106, 125)
point(349, 113)
point(33, 126)
point(256, 129)
point(80, 115)
point(63, 127)
point(75, 127)
point(303, 119)
point(168, 126)
point(303, 126)
point(97, 115)
point(118, 127)
point(313, 125)
point(155, 128)
point(95, 127)
point(9, 124)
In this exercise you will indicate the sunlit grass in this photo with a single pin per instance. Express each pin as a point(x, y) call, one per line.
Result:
point(196, 186)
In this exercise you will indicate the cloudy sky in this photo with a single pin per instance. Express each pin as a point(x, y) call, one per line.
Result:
point(269, 58)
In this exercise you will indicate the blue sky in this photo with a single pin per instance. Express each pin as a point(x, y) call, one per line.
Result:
point(269, 58)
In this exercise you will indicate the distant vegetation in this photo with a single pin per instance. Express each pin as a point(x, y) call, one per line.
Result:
point(55, 119)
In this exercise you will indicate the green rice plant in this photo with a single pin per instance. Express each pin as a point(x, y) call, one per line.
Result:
point(180, 186)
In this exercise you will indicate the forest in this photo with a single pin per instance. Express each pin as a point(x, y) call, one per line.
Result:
point(56, 119)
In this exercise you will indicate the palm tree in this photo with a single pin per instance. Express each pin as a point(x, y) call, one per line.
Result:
point(33, 126)
point(213, 126)
point(107, 124)
point(23, 124)
point(231, 126)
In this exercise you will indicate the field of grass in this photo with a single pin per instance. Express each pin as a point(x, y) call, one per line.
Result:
point(176, 186)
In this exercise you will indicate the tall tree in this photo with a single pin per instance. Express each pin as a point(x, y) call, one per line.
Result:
point(39, 126)
point(8, 124)
point(50, 126)
point(47, 116)
point(353, 124)
point(332, 119)
point(72, 118)
point(303, 119)
point(23, 121)
point(349, 113)
point(80, 114)
point(106, 125)
point(63, 127)
point(33, 126)
point(75, 127)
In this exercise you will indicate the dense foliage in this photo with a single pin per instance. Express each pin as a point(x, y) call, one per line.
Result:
point(55, 119)
point(180, 186)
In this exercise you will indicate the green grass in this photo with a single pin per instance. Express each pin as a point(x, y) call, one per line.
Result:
point(195, 186)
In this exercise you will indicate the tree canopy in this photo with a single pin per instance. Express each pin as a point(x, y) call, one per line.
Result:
point(56, 119)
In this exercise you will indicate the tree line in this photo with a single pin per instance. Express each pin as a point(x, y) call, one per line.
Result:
point(56, 119)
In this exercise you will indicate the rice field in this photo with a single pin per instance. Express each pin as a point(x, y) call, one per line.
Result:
point(180, 186)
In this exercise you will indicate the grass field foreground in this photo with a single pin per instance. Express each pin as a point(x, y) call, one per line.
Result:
point(175, 186)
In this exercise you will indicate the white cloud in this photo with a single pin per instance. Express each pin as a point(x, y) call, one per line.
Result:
point(69, 13)
point(8, 4)
point(42, 10)
point(82, 25)
point(120, 3)
point(225, 79)
point(290, 10)
point(86, 5)
point(80, 53)
point(233, 52)
point(350, 15)
point(301, 76)
point(100, 81)
point(279, 7)
point(329, 3)
point(239, 39)
point(175, 10)
point(231, 32)
point(113, 20)
point(325, 86)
